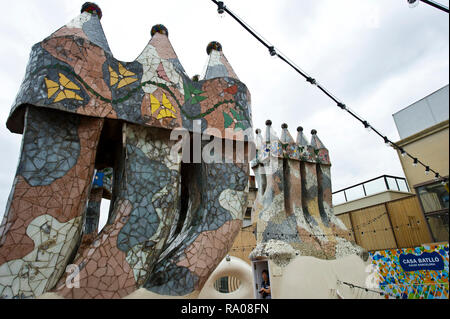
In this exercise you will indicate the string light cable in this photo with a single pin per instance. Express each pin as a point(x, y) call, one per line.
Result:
point(437, 5)
point(347, 232)
point(277, 53)
point(342, 233)
point(381, 293)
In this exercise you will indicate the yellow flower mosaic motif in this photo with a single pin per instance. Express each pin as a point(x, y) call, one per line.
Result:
point(64, 87)
point(167, 110)
point(124, 77)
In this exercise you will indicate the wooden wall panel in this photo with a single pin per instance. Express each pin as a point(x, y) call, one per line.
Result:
point(409, 224)
point(244, 243)
point(345, 218)
point(372, 228)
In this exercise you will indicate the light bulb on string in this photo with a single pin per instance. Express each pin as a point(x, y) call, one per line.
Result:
point(312, 81)
point(413, 3)
point(427, 170)
point(367, 126)
point(342, 105)
point(387, 142)
point(415, 162)
point(221, 9)
point(273, 52)
point(402, 152)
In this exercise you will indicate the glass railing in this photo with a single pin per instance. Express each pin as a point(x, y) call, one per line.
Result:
point(370, 187)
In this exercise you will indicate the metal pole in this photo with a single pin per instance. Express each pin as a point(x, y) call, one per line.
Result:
point(398, 187)
point(385, 182)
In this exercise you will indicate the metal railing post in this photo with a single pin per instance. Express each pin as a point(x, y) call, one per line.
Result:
point(385, 181)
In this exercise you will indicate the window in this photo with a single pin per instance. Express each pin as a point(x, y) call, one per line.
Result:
point(439, 226)
point(247, 218)
point(222, 285)
point(227, 284)
point(435, 203)
point(434, 197)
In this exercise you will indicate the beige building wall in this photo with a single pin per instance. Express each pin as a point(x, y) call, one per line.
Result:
point(431, 147)
point(311, 278)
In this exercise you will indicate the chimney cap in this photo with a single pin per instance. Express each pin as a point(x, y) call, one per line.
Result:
point(159, 28)
point(213, 45)
point(91, 7)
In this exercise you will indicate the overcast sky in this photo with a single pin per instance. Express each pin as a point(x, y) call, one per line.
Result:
point(378, 56)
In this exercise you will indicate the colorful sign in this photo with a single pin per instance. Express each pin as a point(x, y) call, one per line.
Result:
point(425, 261)
point(414, 273)
point(98, 180)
